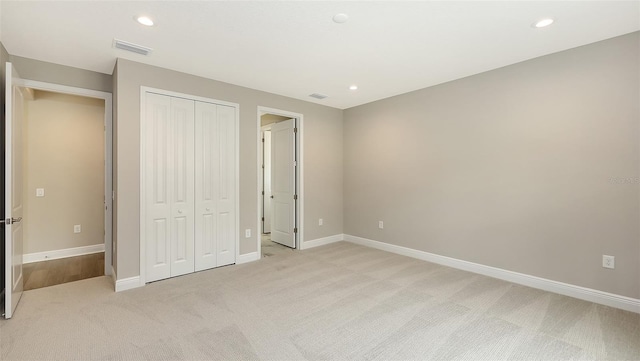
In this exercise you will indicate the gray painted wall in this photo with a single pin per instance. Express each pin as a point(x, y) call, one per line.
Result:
point(60, 74)
point(322, 156)
point(532, 168)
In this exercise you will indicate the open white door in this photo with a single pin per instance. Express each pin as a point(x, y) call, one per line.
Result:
point(14, 109)
point(283, 183)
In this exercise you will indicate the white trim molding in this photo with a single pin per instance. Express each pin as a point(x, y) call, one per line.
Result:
point(128, 283)
point(583, 293)
point(322, 241)
point(62, 253)
point(247, 257)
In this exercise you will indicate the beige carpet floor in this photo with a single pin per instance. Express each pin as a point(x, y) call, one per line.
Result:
point(336, 302)
point(271, 248)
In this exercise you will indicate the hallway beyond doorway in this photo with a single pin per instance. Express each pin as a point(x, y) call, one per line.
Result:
point(63, 270)
point(271, 248)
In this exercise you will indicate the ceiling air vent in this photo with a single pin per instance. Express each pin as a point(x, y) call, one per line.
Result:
point(134, 48)
point(318, 96)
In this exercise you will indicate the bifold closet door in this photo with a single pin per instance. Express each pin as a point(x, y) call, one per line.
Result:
point(169, 186)
point(215, 173)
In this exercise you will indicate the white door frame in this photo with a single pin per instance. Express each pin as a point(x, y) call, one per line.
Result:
point(143, 106)
point(299, 172)
point(108, 155)
point(263, 130)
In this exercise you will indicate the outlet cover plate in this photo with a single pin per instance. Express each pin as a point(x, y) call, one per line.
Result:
point(608, 261)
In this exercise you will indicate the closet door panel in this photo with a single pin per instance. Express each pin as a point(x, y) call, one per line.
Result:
point(182, 222)
point(226, 201)
point(207, 174)
point(158, 184)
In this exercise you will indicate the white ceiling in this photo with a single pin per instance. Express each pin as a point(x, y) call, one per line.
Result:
point(295, 49)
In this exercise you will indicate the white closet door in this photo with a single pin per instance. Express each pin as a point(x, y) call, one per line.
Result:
point(207, 174)
point(226, 201)
point(158, 184)
point(215, 159)
point(182, 172)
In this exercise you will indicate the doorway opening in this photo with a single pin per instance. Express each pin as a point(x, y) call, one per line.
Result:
point(280, 195)
point(65, 167)
point(63, 188)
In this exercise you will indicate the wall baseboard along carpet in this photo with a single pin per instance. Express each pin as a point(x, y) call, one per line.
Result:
point(62, 253)
point(583, 293)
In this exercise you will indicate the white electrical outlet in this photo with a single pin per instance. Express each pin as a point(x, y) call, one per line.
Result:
point(608, 261)
point(39, 192)
point(380, 224)
point(320, 222)
point(77, 228)
point(247, 233)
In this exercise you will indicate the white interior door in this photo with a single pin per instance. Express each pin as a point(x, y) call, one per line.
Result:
point(182, 189)
point(283, 183)
point(206, 158)
point(266, 186)
point(226, 202)
point(157, 187)
point(14, 110)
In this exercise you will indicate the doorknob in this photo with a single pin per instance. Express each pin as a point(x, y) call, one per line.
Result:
point(271, 197)
point(10, 220)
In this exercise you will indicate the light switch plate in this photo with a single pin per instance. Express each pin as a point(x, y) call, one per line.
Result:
point(247, 233)
point(77, 228)
point(39, 192)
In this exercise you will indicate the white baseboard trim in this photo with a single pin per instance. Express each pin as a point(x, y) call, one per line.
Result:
point(128, 283)
point(322, 241)
point(583, 293)
point(247, 257)
point(62, 253)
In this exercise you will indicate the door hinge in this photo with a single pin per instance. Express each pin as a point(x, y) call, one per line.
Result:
point(263, 219)
point(295, 230)
point(295, 196)
point(262, 140)
point(295, 130)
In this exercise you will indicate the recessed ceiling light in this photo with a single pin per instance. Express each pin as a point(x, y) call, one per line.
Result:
point(340, 18)
point(353, 87)
point(144, 20)
point(542, 23)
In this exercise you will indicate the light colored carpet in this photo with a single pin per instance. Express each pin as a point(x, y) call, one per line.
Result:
point(336, 302)
point(271, 248)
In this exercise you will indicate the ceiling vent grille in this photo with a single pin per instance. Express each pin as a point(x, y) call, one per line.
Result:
point(318, 96)
point(134, 48)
